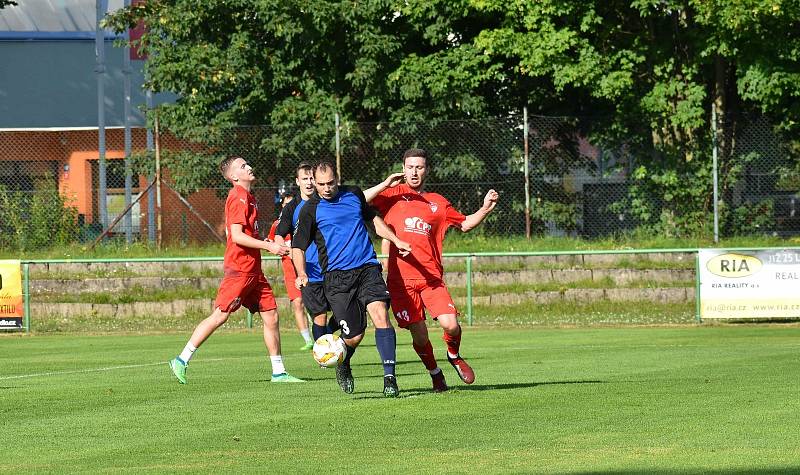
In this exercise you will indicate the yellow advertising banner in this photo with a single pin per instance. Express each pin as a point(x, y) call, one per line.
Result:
point(11, 308)
point(753, 284)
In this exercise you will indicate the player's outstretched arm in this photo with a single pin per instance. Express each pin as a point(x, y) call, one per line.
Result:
point(384, 231)
point(390, 182)
point(476, 218)
point(239, 237)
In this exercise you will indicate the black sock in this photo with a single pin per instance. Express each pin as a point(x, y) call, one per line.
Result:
point(386, 341)
point(349, 351)
point(318, 331)
point(333, 325)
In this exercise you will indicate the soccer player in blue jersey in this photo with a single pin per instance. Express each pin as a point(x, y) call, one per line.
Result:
point(334, 220)
point(313, 293)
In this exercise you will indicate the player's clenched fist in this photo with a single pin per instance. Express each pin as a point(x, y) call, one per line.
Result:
point(490, 200)
point(403, 248)
point(277, 249)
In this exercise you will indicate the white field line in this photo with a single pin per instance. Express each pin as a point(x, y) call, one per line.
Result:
point(97, 370)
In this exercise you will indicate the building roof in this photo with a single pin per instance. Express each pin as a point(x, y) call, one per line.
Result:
point(52, 19)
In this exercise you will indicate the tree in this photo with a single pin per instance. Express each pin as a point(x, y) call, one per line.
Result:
point(648, 71)
point(288, 63)
point(641, 74)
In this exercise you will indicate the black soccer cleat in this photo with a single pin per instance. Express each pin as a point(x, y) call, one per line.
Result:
point(390, 386)
point(439, 384)
point(344, 376)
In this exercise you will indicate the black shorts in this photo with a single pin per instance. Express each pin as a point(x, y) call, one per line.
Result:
point(314, 300)
point(350, 291)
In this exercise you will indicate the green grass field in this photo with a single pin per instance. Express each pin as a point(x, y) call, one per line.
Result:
point(604, 400)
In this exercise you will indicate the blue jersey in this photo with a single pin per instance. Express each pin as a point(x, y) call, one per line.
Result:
point(288, 225)
point(337, 227)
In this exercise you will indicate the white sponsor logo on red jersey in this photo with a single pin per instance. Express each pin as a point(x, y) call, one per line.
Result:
point(417, 226)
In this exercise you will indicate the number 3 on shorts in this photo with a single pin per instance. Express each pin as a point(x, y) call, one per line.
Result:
point(344, 327)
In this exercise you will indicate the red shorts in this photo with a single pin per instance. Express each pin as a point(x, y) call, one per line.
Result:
point(252, 292)
point(289, 276)
point(410, 299)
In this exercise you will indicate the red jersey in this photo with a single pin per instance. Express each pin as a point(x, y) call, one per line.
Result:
point(287, 240)
point(241, 208)
point(420, 219)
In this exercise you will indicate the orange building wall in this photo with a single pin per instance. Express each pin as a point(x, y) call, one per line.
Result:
point(74, 151)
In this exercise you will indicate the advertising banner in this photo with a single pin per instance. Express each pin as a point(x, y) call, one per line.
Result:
point(11, 308)
point(760, 284)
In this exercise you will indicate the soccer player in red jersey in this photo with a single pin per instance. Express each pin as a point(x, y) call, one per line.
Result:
point(415, 281)
point(289, 276)
point(244, 283)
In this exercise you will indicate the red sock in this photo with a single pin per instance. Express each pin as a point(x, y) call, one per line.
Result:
point(453, 342)
point(425, 353)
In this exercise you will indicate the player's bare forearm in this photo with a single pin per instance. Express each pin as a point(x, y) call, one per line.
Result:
point(472, 221)
point(244, 240)
point(476, 218)
point(385, 248)
point(299, 261)
point(392, 180)
point(384, 231)
point(241, 238)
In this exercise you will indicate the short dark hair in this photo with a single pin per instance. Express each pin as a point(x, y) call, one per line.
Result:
point(304, 165)
point(225, 164)
point(323, 165)
point(415, 152)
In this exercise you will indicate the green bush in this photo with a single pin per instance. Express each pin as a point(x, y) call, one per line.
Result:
point(36, 220)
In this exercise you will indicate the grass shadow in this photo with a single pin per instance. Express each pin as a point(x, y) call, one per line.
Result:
point(488, 387)
point(397, 363)
point(416, 391)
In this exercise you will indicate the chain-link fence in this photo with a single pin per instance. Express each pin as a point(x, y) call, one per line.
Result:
point(578, 184)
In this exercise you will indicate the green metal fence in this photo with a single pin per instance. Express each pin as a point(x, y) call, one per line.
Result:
point(468, 257)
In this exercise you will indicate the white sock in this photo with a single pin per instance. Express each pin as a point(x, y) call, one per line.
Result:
point(277, 364)
point(187, 353)
point(435, 371)
point(452, 355)
point(306, 335)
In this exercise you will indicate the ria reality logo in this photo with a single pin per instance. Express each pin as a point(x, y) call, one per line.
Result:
point(734, 265)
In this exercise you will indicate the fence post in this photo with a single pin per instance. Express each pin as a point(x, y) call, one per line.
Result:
point(697, 307)
point(151, 198)
point(469, 290)
point(26, 292)
point(714, 170)
point(527, 176)
point(338, 149)
point(100, 70)
point(249, 319)
point(126, 71)
point(158, 182)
